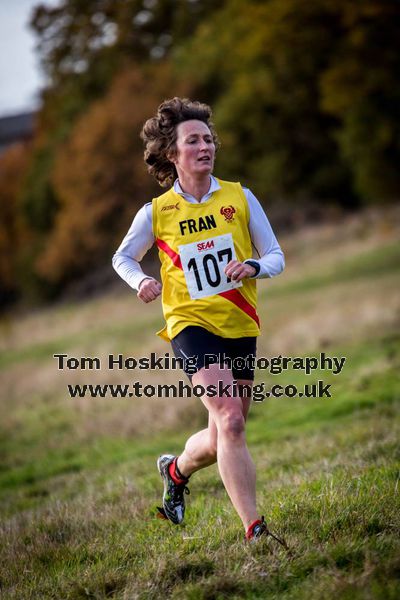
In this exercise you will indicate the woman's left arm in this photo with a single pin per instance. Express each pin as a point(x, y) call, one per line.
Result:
point(267, 252)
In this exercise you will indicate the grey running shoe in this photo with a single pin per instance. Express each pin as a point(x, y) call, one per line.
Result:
point(173, 498)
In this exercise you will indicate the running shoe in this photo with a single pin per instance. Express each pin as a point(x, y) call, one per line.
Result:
point(258, 529)
point(173, 497)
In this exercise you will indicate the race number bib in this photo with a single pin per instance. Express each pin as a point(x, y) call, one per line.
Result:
point(203, 264)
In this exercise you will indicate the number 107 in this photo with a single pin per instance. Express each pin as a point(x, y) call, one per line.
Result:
point(211, 267)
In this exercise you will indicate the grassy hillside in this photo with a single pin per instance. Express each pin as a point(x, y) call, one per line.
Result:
point(78, 483)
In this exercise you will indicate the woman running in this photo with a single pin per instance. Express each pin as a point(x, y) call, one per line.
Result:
point(214, 241)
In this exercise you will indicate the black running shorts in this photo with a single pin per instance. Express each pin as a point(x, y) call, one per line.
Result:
point(198, 348)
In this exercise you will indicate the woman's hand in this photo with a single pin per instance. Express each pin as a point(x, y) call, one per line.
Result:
point(149, 289)
point(237, 271)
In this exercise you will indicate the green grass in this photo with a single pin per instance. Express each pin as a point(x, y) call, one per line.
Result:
point(327, 480)
point(78, 499)
point(372, 264)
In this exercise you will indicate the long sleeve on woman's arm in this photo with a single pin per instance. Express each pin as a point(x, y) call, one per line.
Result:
point(134, 246)
point(267, 251)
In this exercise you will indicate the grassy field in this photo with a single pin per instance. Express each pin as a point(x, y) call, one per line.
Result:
point(78, 482)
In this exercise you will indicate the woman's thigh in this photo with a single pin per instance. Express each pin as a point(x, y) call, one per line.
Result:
point(231, 402)
point(247, 385)
point(195, 341)
point(246, 401)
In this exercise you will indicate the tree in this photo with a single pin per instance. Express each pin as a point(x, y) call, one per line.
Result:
point(273, 70)
point(99, 174)
point(84, 47)
point(13, 234)
point(361, 88)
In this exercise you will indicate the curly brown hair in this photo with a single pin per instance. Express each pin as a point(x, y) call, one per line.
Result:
point(159, 135)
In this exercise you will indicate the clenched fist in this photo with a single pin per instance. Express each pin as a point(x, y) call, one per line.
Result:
point(237, 271)
point(149, 290)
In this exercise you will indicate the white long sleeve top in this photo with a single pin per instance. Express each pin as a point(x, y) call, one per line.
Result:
point(140, 238)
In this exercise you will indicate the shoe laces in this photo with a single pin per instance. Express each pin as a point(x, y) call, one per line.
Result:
point(177, 491)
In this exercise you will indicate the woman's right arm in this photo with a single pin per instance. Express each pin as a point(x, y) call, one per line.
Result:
point(134, 246)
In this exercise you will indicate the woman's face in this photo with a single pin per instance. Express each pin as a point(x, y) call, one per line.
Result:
point(195, 149)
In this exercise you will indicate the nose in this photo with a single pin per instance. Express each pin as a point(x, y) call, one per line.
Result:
point(203, 145)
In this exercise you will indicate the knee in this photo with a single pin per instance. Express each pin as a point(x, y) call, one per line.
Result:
point(232, 426)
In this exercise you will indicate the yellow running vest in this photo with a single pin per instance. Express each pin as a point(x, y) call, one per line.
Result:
point(195, 242)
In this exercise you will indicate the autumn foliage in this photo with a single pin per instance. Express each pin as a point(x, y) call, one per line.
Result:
point(305, 99)
point(14, 235)
point(99, 175)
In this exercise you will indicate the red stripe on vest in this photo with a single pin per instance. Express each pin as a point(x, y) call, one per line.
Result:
point(233, 296)
point(174, 256)
point(240, 301)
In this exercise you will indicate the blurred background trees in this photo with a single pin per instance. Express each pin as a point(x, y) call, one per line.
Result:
point(306, 101)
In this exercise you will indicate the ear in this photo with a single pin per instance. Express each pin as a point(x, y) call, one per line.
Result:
point(171, 156)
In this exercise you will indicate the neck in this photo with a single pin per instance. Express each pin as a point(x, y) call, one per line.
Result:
point(195, 187)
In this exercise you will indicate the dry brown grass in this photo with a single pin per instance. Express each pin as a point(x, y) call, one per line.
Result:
point(317, 320)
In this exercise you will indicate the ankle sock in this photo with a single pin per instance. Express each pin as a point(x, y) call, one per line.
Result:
point(250, 530)
point(176, 474)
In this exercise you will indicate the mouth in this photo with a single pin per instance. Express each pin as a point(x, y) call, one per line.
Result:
point(204, 159)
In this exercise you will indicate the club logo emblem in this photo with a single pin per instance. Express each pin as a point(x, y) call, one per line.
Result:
point(228, 212)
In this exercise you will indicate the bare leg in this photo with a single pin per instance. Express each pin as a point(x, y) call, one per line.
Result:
point(234, 461)
point(200, 450)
